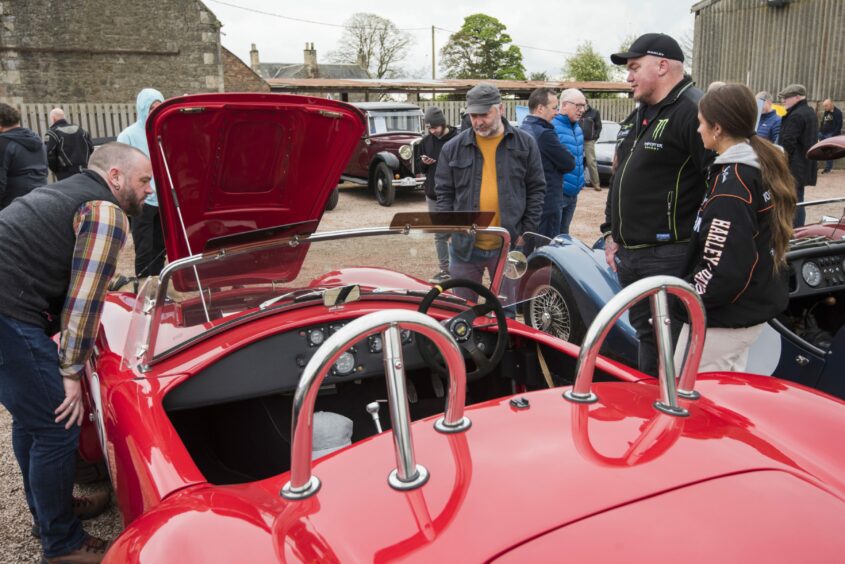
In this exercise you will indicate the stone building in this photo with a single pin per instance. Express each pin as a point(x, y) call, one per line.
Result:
point(107, 50)
point(239, 77)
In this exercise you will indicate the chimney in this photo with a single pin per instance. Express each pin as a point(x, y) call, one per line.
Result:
point(253, 58)
point(310, 56)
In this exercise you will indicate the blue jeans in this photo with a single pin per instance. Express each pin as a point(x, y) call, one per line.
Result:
point(31, 389)
point(567, 211)
point(828, 165)
point(473, 269)
point(441, 241)
point(635, 264)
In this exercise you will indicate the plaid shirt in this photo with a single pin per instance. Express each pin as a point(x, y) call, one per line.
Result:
point(100, 229)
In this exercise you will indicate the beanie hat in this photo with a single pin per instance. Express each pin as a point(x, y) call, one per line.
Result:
point(434, 116)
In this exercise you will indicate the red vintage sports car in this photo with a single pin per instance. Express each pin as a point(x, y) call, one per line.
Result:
point(283, 394)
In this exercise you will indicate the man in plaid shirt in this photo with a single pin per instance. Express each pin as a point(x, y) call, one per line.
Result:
point(59, 246)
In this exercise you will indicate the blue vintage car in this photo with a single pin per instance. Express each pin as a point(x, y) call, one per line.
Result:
point(805, 343)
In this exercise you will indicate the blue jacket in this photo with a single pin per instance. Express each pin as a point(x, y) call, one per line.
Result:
point(769, 126)
point(136, 134)
point(572, 138)
point(556, 159)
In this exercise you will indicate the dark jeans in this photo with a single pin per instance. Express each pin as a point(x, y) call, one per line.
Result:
point(473, 269)
point(441, 240)
point(566, 213)
point(828, 165)
point(800, 212)
point(550, 222)
point(31, 389)
point(149, 242)
point(636, 264)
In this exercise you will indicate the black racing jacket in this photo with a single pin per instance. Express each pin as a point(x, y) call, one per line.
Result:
point(731, 258)
point(660, 176)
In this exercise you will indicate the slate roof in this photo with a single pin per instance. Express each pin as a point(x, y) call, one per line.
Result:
point(299, 70)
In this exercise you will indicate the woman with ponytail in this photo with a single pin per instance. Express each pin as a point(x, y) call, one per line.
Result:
point(742, 230)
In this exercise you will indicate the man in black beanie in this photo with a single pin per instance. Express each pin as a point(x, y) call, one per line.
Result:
point(429, 151)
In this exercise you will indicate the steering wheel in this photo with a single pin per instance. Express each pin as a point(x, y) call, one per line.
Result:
point(461, 328)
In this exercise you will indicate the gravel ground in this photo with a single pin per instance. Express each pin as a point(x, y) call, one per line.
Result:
point(356, 208)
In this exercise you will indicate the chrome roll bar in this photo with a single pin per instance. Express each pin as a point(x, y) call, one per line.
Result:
point(657, 288)
point(407, 474)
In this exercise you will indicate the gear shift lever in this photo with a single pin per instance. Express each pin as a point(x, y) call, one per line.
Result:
point(372, 409)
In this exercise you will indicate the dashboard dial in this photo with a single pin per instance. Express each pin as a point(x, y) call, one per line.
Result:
point(406, 335)
point(376, 344)
point(811, 273)
point(316, 337)
point(345, 364)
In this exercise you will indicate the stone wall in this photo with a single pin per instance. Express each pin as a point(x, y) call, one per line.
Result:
point(106, 50)
point(238, 77)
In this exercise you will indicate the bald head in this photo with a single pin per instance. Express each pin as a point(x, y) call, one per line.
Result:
point(652, 77)
point(127, 173)
point(56, 114)
point(828, 105)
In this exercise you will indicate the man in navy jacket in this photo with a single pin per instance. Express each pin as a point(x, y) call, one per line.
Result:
point(557, 161)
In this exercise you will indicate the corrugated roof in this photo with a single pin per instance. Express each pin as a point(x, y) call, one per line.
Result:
point(453, 85)
point(703, 4)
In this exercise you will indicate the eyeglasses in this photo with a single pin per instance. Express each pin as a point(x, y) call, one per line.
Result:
point(579, 106)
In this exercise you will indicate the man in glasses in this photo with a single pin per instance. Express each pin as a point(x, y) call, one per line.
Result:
point(769, 125)
point(572, 106)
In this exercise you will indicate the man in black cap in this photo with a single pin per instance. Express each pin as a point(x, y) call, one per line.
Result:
point(799, 131)
point(491, 167)
point(660, 175)
point(429, 152)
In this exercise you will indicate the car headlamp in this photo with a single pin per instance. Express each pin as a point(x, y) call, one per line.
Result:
point(406, 152)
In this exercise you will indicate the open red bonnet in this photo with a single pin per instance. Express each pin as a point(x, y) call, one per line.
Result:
point(234, 163)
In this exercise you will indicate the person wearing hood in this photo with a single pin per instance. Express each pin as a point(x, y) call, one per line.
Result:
point(23, 159)
point(741, 233)
point(146, 228)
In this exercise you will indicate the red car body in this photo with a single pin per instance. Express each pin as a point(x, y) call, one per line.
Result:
point(755, 472)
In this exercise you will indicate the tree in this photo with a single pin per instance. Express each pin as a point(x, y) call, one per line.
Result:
point(373, 42)
point(686, 42)
point(481, 49)
point(542, 76)
point(586, 65)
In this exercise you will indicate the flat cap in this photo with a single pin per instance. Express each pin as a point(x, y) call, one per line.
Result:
point(482, 97)
point(793, 90)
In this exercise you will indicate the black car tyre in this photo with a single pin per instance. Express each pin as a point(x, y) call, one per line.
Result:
point(553, 310)
point(382, 186)
point(333, 199)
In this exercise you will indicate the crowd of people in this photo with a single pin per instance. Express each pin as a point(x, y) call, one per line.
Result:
point(706, 195)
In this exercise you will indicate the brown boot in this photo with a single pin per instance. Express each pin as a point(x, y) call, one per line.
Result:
point(84, 507)
point(92, 551)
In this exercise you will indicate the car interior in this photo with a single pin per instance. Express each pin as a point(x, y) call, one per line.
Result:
point(234, 417)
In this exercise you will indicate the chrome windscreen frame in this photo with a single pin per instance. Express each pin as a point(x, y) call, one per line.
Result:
point(144, 355)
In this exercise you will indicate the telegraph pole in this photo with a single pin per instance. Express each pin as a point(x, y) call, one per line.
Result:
point(432, 54)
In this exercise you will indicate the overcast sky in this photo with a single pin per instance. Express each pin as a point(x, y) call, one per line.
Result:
point(544, 24)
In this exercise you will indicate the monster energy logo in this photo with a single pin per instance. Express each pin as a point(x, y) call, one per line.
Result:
point(659, 128)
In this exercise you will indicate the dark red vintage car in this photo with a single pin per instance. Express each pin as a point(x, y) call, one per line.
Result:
point(239, 399)
point(384, 157)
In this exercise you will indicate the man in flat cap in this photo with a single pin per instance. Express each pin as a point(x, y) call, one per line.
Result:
point(491, 167)
point(799, 131)
point(659, 183)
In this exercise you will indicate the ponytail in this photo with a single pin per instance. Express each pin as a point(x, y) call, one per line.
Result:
point(777, 178)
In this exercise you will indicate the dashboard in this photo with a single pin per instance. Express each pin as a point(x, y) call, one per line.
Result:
point(817, 270)
point(275, 365)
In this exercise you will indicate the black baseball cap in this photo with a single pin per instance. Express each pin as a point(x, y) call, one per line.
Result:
point(657, 44)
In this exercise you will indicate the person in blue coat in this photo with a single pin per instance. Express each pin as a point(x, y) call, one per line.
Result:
point(146, 229)
point(542, 103)
point(768, 127)
point(572, 106)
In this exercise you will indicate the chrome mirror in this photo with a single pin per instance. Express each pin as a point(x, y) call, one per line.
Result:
point(516, 265)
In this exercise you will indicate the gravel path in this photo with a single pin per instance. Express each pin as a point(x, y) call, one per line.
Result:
point(356, 208)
